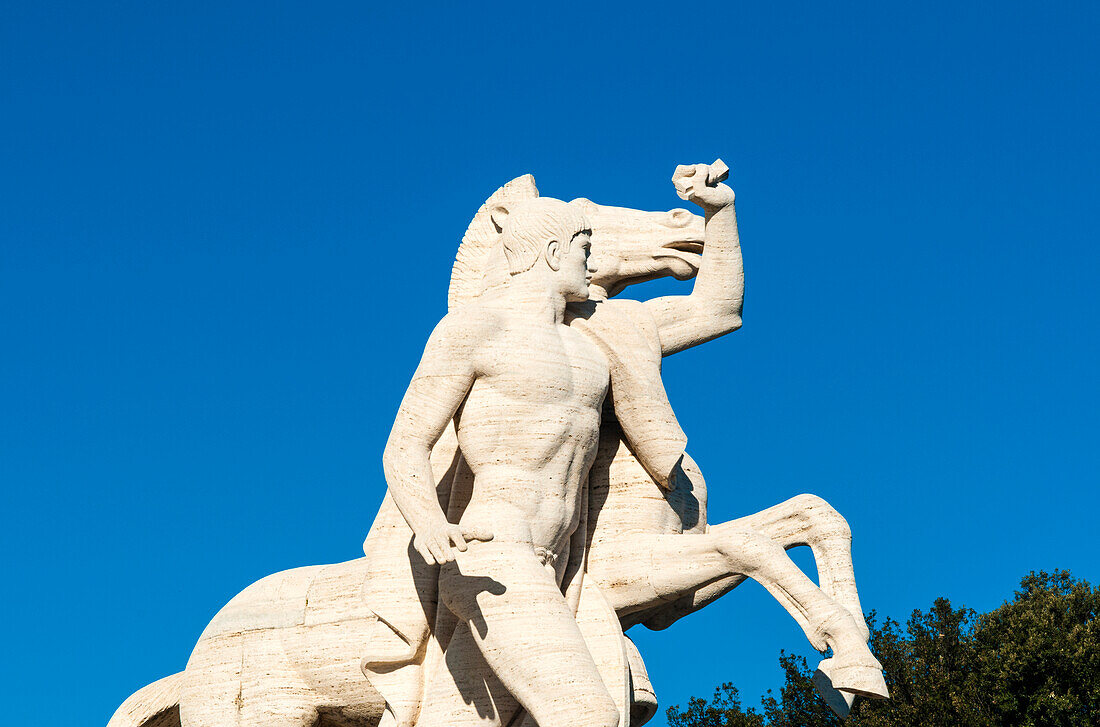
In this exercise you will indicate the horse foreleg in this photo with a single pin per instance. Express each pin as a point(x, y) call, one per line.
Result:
point(803, 520)
point(807, 520)
point(646, 572)
point(656, 570)
point(681, 565)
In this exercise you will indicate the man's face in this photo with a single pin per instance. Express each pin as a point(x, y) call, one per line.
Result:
point(574, 272)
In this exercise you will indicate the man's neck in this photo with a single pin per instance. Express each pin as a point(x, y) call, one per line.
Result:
point(535, 296)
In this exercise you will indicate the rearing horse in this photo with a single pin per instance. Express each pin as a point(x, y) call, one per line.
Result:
point(286, 651)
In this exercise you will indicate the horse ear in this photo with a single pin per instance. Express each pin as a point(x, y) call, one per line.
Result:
point(498, 214)
point(587, 206)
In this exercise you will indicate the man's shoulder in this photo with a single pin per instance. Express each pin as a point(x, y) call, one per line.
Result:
point(625, 319)
point(635, 309)
point(473, 321)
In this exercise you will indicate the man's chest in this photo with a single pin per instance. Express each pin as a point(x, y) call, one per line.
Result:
point(546, 366)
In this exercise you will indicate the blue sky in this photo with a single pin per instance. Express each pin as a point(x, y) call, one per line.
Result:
point(226, 230)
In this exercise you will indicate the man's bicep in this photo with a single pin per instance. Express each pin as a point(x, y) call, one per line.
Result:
point(676, 316)
point(428, 406)
point(438, 387)
point(669, 310)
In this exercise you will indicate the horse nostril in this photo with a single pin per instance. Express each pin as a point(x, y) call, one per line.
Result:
point(679, 218)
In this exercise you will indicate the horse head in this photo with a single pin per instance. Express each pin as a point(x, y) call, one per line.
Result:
point(632, 246)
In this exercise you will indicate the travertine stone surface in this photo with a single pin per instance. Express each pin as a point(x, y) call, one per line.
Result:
point(541, 500)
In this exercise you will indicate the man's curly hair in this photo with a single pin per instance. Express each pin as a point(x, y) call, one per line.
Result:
point(530, 228)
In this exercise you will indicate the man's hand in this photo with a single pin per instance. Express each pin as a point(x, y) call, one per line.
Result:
point(701, 184)
point(435, 543)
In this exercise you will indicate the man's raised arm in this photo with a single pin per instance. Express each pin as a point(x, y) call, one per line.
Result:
point(714, 307)
point(441, 382)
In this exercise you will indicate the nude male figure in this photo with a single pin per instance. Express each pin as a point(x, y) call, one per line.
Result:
point(525, 392)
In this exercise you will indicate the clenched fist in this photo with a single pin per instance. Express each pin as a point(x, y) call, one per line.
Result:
point(701, 184)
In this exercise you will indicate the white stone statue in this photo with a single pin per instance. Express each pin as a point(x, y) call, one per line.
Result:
point(525, 525)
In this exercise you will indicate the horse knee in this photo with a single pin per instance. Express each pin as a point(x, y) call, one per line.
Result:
point(747, 550)
point(807, 502)
point(821, 517)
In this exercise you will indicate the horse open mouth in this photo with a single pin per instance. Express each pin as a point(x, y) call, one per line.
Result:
point(678, 259)
point(689, 252)
point(692, 246)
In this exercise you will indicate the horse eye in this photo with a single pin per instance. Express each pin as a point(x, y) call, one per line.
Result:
point(679, 217)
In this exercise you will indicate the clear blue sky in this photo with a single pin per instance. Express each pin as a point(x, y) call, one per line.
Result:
point(227, 229)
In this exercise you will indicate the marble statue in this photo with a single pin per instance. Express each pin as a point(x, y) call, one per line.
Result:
point(540, 501)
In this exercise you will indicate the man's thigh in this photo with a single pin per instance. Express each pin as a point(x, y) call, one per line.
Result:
point(523, 628)
point(463, 691)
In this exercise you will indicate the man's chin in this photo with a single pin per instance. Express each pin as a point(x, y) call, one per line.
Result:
point(579, 296)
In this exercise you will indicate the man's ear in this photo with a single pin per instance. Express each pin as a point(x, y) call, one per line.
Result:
point(553, 255)
point(498, 214)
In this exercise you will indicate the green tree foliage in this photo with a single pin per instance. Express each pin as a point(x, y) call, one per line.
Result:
point(1038, 656)
point(723, 710)
point(1032, 662)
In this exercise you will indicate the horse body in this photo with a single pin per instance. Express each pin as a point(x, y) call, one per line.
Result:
point(284, 652)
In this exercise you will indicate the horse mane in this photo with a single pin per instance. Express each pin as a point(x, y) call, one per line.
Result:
point(468, 273)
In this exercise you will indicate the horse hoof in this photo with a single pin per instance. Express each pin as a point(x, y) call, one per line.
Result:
point(838, 701)
point(864, 680)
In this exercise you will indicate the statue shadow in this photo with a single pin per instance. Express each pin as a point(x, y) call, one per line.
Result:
point(477, 685)
point(686, 494)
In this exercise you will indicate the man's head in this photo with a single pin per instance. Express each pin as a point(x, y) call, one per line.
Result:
point(550, 230)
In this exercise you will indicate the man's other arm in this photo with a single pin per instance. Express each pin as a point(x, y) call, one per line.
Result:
point(714, 307)
point(441, 382)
